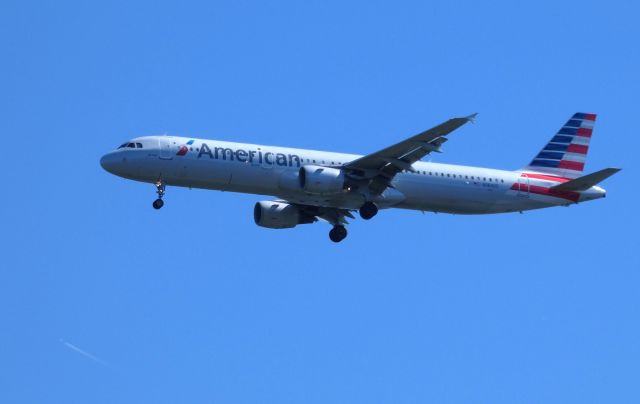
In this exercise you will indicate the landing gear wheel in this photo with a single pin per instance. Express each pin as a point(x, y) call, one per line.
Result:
point(158, 203)
point(368, 210)
point(338, 233)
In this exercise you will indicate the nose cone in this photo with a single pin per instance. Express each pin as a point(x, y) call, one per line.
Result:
point(109, 162)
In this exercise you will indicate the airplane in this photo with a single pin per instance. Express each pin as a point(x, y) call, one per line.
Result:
point(312, 185)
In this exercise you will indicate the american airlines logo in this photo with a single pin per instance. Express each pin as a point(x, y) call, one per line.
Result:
point(182, 151)
point(247, 156)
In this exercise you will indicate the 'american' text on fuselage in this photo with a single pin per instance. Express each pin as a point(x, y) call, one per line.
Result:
point(250, 156)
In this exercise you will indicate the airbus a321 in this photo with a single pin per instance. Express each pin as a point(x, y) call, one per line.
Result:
point(309, 185)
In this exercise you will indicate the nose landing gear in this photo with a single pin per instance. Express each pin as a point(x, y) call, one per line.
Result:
point(338, 233)
point(158, 203)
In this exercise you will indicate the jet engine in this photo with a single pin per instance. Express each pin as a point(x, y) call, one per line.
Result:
point(321, 180)
point(279, 215)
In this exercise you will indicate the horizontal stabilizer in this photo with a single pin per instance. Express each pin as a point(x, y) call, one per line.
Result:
point(587, 181)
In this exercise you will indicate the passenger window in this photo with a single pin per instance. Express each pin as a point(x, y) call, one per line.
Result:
point(139, 145)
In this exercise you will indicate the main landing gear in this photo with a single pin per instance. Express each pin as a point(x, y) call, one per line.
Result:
point(158, 203)
point(368, 210)
point(338, 233)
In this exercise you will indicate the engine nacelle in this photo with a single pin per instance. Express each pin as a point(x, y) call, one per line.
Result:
point(279, 215)
point(321, 180)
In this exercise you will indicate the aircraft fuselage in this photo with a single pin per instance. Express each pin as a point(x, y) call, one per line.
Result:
point(271, 170)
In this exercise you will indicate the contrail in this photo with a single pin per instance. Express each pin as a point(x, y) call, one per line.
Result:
point(83, 353)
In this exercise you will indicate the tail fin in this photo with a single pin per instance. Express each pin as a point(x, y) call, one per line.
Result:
point(566, 152)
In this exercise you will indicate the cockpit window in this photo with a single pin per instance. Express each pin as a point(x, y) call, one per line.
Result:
point(131, 145)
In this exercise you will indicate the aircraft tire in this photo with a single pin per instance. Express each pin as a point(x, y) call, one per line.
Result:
point(158, 203)
point(338, 233)
point(368, 210)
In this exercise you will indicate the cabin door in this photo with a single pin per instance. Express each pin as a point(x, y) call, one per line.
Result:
point(165, 149)
point(523, 186)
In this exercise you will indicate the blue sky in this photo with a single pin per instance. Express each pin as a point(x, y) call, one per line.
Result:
point(194, 303)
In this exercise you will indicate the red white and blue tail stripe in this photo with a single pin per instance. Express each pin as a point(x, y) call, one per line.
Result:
point(565, 154)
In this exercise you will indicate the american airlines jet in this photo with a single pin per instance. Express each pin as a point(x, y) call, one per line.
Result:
point(311, 185)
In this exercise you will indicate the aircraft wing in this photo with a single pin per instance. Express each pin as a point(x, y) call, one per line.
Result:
point(388, 162)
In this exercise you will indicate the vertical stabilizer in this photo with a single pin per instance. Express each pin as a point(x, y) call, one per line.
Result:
point(565, 154)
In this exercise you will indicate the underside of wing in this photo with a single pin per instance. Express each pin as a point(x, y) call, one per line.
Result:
point(335, 216)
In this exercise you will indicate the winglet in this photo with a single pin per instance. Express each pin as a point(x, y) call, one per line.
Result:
point(471, 118)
